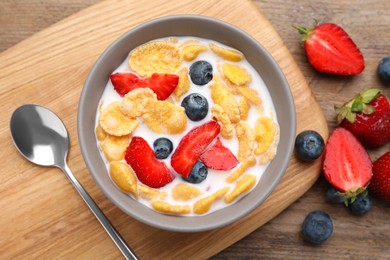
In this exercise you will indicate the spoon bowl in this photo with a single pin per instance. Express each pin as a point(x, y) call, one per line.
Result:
point(42, 138)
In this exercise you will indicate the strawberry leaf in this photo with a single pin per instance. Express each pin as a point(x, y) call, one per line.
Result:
point(369, 95)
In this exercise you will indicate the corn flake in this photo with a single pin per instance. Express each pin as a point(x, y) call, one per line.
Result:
point(184, 83)
point(164, 117)
point(190, 52)
point(237, 75)
point(114, 122)
point(227, 101)
point(246, 140)
point(150, 193)
point(155, 57)
point(250, 94)
point(100, 133)
point(221, 116)
point(124, 177)
point(244, 185)
point(114, 147)
point(227, 54)
point(241, 169)
point(265, 132)
point(132, 103)
point(244, 108)
point(203, 205)
point(184, 192)
point(167, 208)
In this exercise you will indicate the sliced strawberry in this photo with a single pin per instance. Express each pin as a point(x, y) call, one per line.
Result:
point(125, 82)
point(148, 169)
point(330, 49)
point(380, 182)
point(367, 116)
point(161, 84)
point(347, 165)
point(218, 157)
point(192, 145)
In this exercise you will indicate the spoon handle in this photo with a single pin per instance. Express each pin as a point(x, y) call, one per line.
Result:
point(116, 237)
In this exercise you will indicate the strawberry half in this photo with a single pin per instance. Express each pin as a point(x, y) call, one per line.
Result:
point(218, 157)
point(162, 84)
point(347, 165)
point(148, 169)
point(330, 49)
point(192, 145)
point(367, 116)
point(380, 182)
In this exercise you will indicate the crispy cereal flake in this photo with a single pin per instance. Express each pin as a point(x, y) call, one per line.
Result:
point(100, 133)
point(237, 75)
point(164, 117)
point(251, 161)
point(203, 205)
point(184, 192)
point(114, 147)
point(148, 193)
point(132, 103)
point(114, 122)
point(221, 116)
point(191, 52)
point(246, 140)
point(244, 185)
point(250, 94)
point(265, 132)
point(167, 208)
point(155, 57)
point(244, 108)
point(184, 83)
point(227, 54)
point(124, 177)
point(227, 101)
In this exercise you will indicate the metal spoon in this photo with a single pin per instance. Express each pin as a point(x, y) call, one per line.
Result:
point(42, 138)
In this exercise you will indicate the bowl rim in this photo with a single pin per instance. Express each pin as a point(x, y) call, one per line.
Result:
point(186, 223)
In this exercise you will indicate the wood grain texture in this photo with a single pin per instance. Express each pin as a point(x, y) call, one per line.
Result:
point(358, 238)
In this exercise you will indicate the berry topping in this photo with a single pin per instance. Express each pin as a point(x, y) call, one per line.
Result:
point(347, 165)
point(198, 173)
point(161, 84)
point(330, 49)
point(192, 145)
point(218, 157)
point(309, 145)
point(196, 106)
point(380, 182)
point(201, 72)
point(332, 195)
point(367, 117)
point(162, 148)
point(361, 205)
point(384, 69)
point(317, 227)
point(148, 169)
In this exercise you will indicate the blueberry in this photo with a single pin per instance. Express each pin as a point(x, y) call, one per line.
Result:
point(361, 205)
point(309, 145)
point(331, 195)
point(384, 69)
point(198, 173)
point(162, 148)
point(196, 106)
point(317, 227)
point(201, 72)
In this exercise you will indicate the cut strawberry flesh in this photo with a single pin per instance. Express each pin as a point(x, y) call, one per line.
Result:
point(192, 145)
point(347, 165)
point(161, 84)
point(218, 157)
point(148, 169)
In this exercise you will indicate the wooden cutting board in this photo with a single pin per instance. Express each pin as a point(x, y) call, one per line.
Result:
point(42, 215)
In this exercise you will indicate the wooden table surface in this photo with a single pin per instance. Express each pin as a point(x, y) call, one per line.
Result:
point(367, 22)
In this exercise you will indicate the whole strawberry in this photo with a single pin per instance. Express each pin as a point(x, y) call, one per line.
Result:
point(330, 49)
point(380, 182)
point(367, 116)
